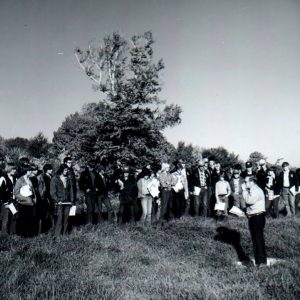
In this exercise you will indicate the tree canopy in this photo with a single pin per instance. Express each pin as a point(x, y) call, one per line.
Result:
point(128, 121)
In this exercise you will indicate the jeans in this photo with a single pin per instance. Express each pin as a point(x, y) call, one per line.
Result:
point(239, 201)
point(146, 202)
point(289, 201)
point(166, 205)
point(201, 203)
point(91, 198)
point(103, 199)
point(179, 203)
point(272, 207)
point(62, 221)
point(256, 226)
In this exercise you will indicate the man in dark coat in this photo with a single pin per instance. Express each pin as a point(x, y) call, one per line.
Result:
point(7, 182)
point(61, 191)
point(89, 183)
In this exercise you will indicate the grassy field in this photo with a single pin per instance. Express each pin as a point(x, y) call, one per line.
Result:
point(182, 260)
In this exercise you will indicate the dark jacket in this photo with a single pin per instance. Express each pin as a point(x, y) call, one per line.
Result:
point(6, 188)
point(241, 181)
point(196, 178)
point(130, 190)
point(89, 180)
point(244, 174)
point(59, 193)
point(293, 178)
point(261, 176)
point(103, 185)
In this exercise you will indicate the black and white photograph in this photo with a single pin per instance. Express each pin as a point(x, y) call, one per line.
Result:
point(149, 149)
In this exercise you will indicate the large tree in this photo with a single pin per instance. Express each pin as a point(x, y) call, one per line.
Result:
point(129, 119)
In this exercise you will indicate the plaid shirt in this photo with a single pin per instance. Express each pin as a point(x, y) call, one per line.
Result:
point(202, 178)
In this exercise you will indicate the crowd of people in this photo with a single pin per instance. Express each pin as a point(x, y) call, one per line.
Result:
point(35, 201)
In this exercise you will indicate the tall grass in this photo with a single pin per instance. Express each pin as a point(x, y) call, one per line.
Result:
point(181, 260)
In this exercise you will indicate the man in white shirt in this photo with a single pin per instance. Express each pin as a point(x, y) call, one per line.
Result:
point(255, 205)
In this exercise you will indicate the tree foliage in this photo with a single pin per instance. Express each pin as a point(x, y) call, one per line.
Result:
point(223, 156)
point(255, 156)
point(189, 153)
point(128, 122)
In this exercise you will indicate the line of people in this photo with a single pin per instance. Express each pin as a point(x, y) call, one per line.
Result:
point(35, 201)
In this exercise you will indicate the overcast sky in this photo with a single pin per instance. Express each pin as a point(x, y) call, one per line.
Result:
point(233, 66)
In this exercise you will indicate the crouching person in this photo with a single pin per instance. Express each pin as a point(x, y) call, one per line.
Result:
point(62, 193)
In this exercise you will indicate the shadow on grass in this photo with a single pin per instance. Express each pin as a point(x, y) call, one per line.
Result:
point(232, 237)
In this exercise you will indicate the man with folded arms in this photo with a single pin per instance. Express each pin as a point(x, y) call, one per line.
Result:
point(255, 205)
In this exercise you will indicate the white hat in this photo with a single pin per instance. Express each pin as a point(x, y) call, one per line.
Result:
point(164, 166)
point(262, 161)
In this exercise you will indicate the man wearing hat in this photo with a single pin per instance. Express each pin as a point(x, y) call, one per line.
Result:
point(7, 182)
point(289, 185)
point(201, 183)
point(249, 170)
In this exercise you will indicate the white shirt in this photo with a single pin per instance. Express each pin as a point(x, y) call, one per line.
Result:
point(286, 180)
point(255, 200)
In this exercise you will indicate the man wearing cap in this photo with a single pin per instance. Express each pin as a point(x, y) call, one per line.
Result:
point(289, 185)
point(7, 182)
point(249, 170)
point(255, 205)
point(201, 183)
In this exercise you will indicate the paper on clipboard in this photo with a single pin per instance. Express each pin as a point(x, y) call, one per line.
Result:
point(12, 208)
point(197, 190)
point(293, 190)
point(178, 186)
point(220, 206)
point(72, 212)
point(236, 211)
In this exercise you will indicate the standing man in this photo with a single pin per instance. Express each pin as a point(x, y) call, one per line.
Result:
point(46, 221)
point(26, 197)
point(255, 205)
point(201, 182)
point(71, 174)
point(89, 185)
point(262, 174)
point(103, 194)
point(289, 185)
point(7, 182)
point(62, 193)
point(167, 182)
point(249, 170)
